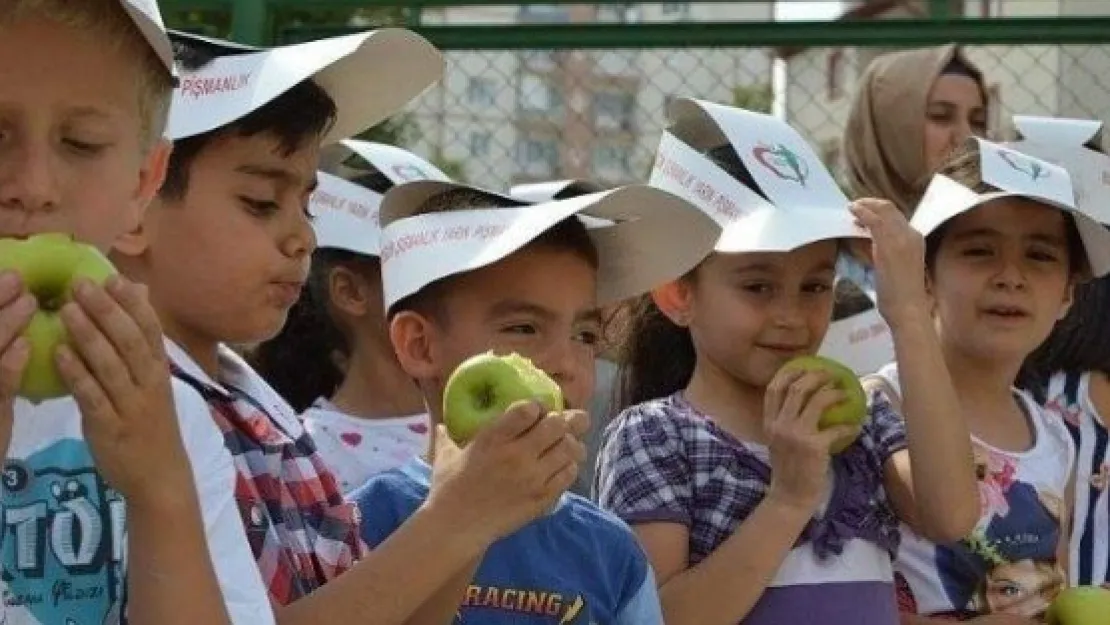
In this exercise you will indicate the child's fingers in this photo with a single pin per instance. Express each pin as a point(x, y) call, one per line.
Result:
point(133, 299)
point(517, 421)
point(826, 397)
point(118, 328)
point(800, 393)
point(11, 287)
point(13, 361)
point(98, 356)
point(829, 436)
point(14, 317)
point(775, 394)
point(95, 404)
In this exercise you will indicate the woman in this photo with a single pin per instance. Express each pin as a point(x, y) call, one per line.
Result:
point(911, 109)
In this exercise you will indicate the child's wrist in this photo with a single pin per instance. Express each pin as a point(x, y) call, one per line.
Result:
point(439, 518)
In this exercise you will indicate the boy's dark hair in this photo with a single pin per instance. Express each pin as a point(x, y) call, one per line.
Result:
point(305, 360)
point(963, 167)
point(658, 357)
point(303, 113)
point(568, 235)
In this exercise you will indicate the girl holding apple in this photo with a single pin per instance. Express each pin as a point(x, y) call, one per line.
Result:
point(717, 460)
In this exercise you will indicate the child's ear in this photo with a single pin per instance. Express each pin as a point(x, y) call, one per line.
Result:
point(413, 337)
point(152, 175)
point(349, 292)
point(674, 301)
point(1069, 298)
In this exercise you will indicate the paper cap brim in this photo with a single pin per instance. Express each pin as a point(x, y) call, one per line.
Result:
point(148, 19)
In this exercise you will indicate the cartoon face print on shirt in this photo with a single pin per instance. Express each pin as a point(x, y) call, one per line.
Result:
point(1008, 564)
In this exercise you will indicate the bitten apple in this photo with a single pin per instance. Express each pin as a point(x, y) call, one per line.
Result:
point(49, 265)
point(852, 411)
point(484, 386)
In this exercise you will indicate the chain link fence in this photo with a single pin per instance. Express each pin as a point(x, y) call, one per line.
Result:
point(506, 117)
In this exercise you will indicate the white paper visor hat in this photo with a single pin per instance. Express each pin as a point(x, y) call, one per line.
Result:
point(1014, 174)
point(798, 201)
point(148, 20)
point(345, 216)
point(633, 228)
point(536, 192)
point(1066, 142)
point(370, 76)
point(395, 164)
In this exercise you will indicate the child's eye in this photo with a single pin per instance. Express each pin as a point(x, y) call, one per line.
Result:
point(84, 147)
point(977, 251)
point(817, 288)
point(259, 207)
point(521, 328)
point(758, 288)
point(588, 337)
point(1043, 256)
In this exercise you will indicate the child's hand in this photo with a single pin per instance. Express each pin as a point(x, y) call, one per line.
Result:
point(16, 309)
point(792, 405)
point(119, 375)
point(898, 256)
point(511, 473)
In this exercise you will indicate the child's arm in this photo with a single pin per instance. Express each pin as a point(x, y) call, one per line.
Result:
point(932, 484)
point(723, 588)
point(512, 472)
point(119, 376)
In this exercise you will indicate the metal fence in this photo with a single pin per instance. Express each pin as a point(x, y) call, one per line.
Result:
point(544, 91)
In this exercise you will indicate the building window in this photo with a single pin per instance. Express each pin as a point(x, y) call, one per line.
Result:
point(537, 157)
point(612, 161)
point(834, 75)
point(613, 110)
point(479, 91)
point(480, 143)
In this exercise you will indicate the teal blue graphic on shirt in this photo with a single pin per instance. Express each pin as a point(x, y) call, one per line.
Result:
point(62, 535)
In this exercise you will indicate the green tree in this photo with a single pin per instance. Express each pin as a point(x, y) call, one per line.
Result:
point(758, 98)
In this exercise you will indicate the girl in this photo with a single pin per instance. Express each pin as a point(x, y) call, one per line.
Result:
point(1076, 362)
point(1002, 260)
point(717, 461)
point(333, 361)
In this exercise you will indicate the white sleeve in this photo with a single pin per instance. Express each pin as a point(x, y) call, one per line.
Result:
point(239, 577)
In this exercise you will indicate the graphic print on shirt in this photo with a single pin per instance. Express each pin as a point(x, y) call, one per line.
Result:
point(522, 605)
point(1008, 564)
point(62, 538)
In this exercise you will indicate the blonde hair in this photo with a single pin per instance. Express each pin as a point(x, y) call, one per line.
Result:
point(115, 27)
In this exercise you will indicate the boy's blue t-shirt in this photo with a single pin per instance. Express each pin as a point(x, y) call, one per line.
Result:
point(578, 565)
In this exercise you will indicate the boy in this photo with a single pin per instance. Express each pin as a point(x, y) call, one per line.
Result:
point(84, 92)
point(466, 271)
point(225, 250)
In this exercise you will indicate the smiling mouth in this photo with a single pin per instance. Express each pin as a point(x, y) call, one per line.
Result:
point(1006, 312)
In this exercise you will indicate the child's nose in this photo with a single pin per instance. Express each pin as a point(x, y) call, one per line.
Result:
point(29, 180)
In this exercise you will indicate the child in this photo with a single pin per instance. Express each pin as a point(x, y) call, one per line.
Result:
point(114, 498)
point(225, 250)
point(525, 279)
point(717, 461)
point(1005, 245)
point(333, 361)
point(1074, 362)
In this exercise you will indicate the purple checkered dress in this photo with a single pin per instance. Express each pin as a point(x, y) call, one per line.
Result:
point(663, 461)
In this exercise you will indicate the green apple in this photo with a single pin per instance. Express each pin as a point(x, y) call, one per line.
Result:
point(49, 265)
point(1083, 605)
point(852, 411)
point(484, 386)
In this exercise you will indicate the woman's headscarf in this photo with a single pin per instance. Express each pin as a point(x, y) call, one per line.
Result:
point(884, 145)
